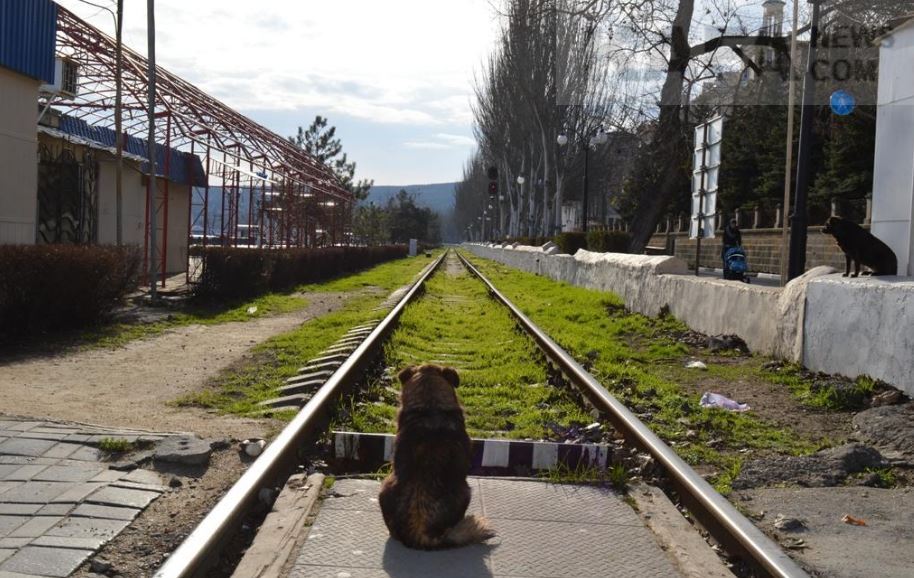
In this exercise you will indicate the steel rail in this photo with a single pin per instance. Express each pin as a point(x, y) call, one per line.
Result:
point(715, 513)
point(201, 546)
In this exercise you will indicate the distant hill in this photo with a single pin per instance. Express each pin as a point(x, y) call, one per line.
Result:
point(438, 197)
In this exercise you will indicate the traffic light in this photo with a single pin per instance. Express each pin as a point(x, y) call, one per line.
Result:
point(493, 188)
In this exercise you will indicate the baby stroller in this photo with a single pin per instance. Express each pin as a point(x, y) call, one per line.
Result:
point(735, 265)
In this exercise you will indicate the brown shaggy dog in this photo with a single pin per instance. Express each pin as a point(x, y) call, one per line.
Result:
point(426, 496)
point(861, 247)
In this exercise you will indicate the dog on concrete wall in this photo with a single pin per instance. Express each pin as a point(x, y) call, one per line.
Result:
point(861, 247)
point(425, 498)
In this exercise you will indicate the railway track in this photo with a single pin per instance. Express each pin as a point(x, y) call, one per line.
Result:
point(739, 537)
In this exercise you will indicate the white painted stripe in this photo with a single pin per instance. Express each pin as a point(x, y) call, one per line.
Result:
point(545, 455)
point(346, 445)
point(388, 448)
point(495, 453)
point(595, 455)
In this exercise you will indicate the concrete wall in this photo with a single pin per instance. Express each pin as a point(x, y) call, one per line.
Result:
point(763, 248)
point(893, 172)
point(18, 157)
point(829, 323)
point(863, 326)
point(133, 198)
point(134, 212)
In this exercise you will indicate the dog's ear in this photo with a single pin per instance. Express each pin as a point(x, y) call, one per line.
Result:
point(407, 374)
point(450, 374)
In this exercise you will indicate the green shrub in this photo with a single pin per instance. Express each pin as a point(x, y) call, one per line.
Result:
point(234, 273)
point(53, 287)
point(571, 242)
point(608, 241)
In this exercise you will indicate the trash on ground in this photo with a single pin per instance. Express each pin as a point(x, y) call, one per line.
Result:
point(848, 519)
point(717, 400)
point(786, 524)
point(253, 447)
point(696, 365)
point(252, 309)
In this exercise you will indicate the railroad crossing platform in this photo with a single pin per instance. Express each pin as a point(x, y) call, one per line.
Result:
point(544, 530)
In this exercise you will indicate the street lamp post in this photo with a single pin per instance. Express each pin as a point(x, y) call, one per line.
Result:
point(596, 138)
point(799, 219)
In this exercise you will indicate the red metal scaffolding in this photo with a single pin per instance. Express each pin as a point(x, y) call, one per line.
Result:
point(273, 194)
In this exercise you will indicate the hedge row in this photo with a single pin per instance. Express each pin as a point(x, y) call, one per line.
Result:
point(53, 287)
point(230, 273)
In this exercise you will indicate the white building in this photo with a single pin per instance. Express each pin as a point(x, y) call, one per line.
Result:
point(893, 182)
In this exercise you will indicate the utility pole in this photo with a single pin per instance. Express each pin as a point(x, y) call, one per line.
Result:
point(800, 218)
point(788, 170)
point(151, 149)
point(118, 127)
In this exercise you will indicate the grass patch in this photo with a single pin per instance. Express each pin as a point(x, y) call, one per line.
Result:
point(821, 392)
point(119, 334)
point(115, 445)
point(504, 386)
point(386, 277)
point(629, 354)
point(241, 388)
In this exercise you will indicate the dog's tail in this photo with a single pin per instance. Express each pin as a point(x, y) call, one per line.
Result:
point(470, 530)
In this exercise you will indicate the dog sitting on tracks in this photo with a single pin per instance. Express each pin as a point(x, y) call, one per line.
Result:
point(425, 498)
point(861, 247)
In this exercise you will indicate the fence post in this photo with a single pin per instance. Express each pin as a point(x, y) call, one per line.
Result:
point(719, 217)
point(835, 207)
point(679, 223)
point(777, 215)
point(756, 217)
point(738, 215)
point(868, 220)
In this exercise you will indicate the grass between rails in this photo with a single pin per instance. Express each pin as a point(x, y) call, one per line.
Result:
point(239, 389)
point(504, 386)
point(624, 352)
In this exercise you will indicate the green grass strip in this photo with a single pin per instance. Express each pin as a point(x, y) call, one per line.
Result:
point(239, 389)
point(626, 352)
point(503, 380)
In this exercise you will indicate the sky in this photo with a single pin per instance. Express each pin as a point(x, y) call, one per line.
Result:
point(395, 76)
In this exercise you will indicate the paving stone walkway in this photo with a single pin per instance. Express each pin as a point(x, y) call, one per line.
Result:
point(59, 501)
point(544, 531)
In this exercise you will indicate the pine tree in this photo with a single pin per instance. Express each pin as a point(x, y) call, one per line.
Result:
point(320, 142)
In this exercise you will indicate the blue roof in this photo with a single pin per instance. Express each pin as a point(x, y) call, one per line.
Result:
point(28, 33)
point(183, 167)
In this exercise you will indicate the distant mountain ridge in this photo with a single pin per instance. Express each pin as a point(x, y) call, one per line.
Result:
point(438, 197)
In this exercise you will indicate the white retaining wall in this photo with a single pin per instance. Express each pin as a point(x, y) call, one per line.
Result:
point(831, 324)
point(862, 326)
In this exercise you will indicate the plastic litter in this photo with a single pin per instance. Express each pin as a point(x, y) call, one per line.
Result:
point(696, 365)
point(848, 519)
point(717, 400)
point(252, 309)
point(253, 447)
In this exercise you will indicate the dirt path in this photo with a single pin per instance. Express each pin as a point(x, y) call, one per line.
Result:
point(132, 386)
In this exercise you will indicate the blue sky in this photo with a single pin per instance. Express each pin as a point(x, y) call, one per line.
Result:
point(395, 77)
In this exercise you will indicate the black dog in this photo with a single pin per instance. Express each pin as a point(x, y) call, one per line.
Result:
point(426, 496)
point(861, 247)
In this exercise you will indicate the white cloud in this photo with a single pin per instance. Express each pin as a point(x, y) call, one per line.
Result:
point(425, 145)
point(457, 139)
point(401, 61)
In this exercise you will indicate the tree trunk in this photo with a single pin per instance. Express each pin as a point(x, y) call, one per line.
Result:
point(668, 139)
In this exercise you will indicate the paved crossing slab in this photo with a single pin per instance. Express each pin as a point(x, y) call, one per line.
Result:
point(544, 531)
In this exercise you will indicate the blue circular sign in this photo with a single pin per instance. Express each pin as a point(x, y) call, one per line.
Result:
point(842, 102)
